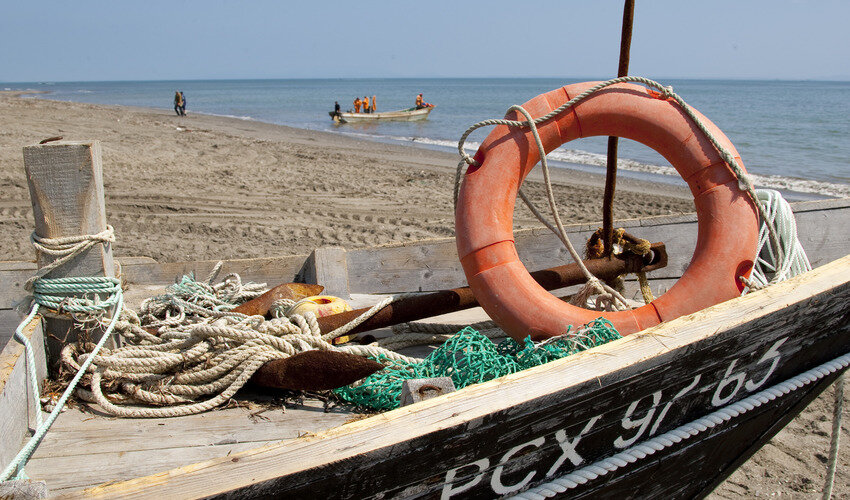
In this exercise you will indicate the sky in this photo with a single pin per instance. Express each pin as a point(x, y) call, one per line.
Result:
point(86, 40)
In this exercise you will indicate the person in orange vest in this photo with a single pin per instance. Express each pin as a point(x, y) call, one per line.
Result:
point(374, 103)
point(357, 104)
point(419, 101)
point(366, 108)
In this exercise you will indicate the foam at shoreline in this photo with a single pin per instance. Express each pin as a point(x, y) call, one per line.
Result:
point(575, 158)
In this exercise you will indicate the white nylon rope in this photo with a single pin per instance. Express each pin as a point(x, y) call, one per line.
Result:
point(770, 267)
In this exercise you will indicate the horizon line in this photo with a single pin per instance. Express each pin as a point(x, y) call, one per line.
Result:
point(837, 79)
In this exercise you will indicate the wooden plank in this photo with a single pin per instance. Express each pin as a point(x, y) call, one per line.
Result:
point(412, 450)
point(433, 264)
point(271, 270)
point(14, 265)
point(17, 413)
point(84, 434)
point(145, 271)
point(12, 290)
point(9, 320)
point(423, 266)
point(147, 446)
point(72, 473)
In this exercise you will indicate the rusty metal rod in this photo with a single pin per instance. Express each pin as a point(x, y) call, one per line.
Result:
point(325, 370)
point(611, 171)
point(456, 299)
point(261, 305)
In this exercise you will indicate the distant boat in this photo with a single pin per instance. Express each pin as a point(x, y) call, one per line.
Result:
point(404, 115)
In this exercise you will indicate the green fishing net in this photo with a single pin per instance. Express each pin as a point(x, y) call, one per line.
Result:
point(469, 358)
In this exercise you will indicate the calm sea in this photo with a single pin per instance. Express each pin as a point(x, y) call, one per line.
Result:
point(792, 135)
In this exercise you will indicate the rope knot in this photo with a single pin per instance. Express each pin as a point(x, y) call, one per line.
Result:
point(744, 182)
point(470, 160)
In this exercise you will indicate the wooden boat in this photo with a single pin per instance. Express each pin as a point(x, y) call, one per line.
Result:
point(402, 115)
point(665, 413)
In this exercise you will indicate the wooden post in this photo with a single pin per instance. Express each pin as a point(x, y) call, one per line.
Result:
point(66, 186)
point(611, 172)
point(330, 269)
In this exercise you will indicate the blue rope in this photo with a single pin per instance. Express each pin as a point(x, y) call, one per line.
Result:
point(79, 295)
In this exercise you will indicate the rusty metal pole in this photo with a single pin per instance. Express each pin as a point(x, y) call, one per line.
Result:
point(456, 299)
point(611, 173)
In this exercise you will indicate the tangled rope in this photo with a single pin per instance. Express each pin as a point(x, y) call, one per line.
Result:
point(201, 353)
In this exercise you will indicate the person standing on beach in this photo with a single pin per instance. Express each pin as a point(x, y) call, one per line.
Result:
point(366, 108)
point(178, 103)
point(183, 107)
point(357, 104)
point(374, 103)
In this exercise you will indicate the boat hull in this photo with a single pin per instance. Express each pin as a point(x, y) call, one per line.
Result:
point(406, 115)
point(523, 430)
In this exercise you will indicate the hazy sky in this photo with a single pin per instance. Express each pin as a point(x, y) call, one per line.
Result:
point(157, 40)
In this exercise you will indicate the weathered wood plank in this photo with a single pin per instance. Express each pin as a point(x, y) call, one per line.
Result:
point(433, 265)
point(271, 270)
point(17, 412)
point(12, 286)
point(71, 473)
point(147, 446)
point(9, 320)
point(146, 271)
point(84, 434)
point(522, 412)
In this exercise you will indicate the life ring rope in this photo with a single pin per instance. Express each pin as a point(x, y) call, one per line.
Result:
point(744, 182)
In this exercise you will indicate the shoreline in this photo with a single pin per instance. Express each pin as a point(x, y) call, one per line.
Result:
point(795, 187)
point(249, 188)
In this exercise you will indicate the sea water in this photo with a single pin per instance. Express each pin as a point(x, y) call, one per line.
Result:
point(792, 135)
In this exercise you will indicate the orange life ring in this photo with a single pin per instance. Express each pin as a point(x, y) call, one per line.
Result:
point(727, 219)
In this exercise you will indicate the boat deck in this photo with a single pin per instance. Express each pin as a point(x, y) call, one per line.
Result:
point(82, 450)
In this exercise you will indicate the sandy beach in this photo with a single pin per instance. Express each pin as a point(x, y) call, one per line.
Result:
point(205, 187)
